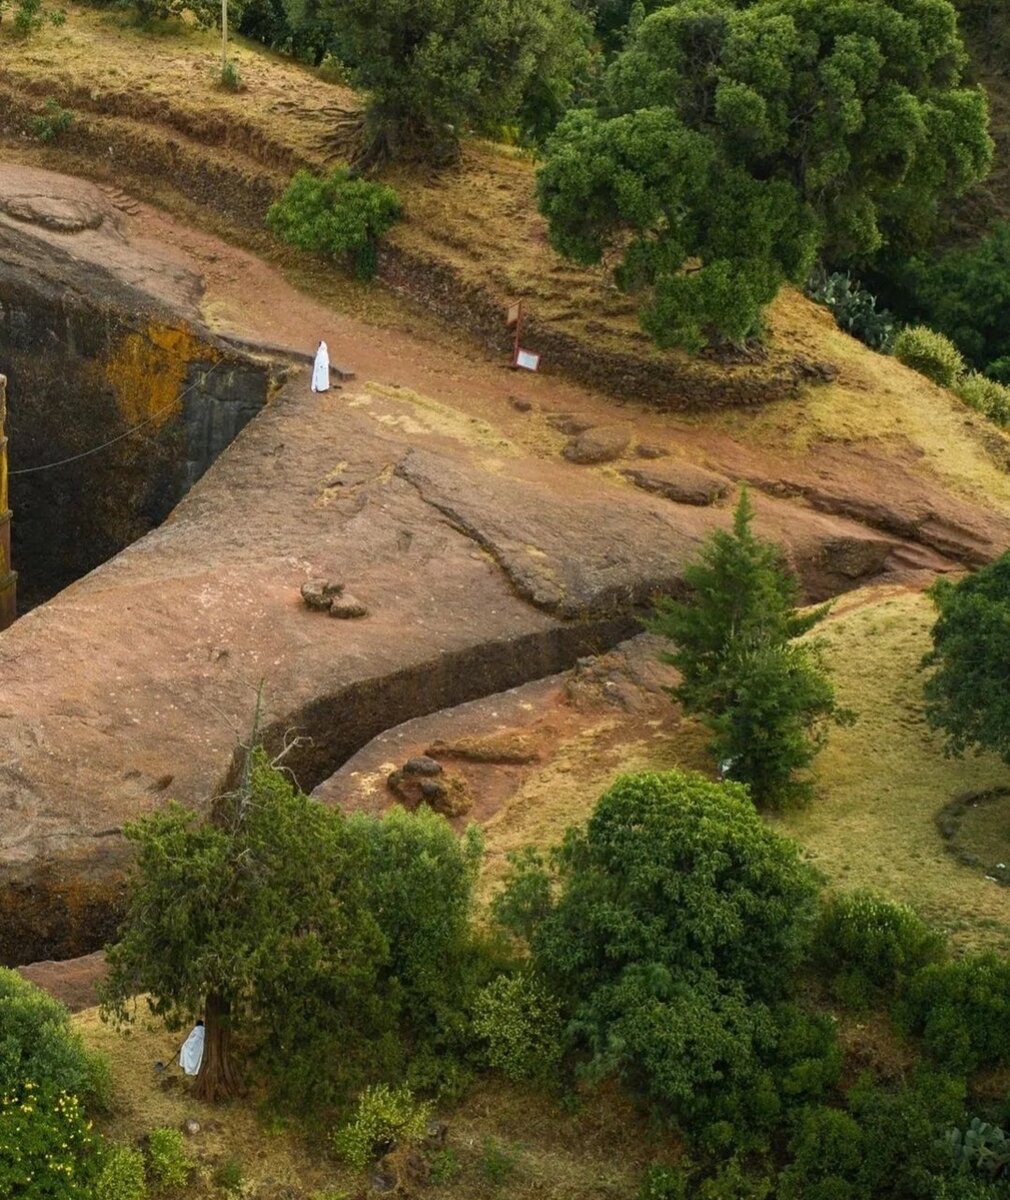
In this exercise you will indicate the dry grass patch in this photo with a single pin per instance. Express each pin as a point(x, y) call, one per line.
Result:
point(503, 1140)
point(881, 783)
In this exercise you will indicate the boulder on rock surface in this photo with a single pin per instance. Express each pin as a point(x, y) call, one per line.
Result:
point(681, 482)
point(447, 794)
point(315, 595)
point(600, 444)
point(347, 607)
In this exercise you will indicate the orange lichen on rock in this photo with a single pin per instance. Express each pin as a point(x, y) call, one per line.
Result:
point(148, 371)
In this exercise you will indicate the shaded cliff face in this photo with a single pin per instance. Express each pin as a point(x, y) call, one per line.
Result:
point(117, 403)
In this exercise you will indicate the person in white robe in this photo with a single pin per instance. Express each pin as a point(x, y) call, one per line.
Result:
point(321, 370)
point(191, 1053)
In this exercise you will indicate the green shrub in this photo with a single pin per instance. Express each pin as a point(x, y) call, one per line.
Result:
point(38, 1043)
point(930, 353)
point(519, 1021)
point(961, 1009)
point(229, 1175)
point(867, 944)
point(231, 80)
point(339, 216)
point(52, 122)
point(445, 1167)
point(168, 1161)
point(986, 396)
point(498, 1162)
point(663, 1183)
point(383, 1115)
point(826, 1152)
point(122, 1176)
point(31, 15)
point(47, 1149)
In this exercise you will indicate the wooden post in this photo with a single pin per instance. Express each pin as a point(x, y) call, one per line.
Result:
point(224, 37)
point(8, 579)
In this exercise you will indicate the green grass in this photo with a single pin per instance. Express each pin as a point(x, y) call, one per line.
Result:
point(881, 782)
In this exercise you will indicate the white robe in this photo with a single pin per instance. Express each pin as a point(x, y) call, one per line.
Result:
point(191, 1054)
point(321, 370)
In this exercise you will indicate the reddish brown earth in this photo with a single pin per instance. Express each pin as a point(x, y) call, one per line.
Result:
point(484, 557)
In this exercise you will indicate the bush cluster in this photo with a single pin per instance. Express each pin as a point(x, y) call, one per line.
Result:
point(383, 1117)
point(985, 395)
point(340, 216)
point(519, 1021)
point(961, 1009)
point(868, 946)
point(48, 1149)
point(168, 1161)
point(122, 1176)
point(931, 354)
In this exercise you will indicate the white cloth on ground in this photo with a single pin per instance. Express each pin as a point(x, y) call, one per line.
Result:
point(321, 370)
point(191, 1054)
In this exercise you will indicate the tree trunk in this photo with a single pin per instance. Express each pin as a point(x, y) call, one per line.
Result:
point(217, 1079)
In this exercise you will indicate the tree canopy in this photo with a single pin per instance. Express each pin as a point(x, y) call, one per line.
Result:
point(732, 145)
point(669, 926)
point(967, 694)
point(332, 943)
point(435, 67)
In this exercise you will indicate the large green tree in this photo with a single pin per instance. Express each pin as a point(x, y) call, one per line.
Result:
point(732, 145)
point(433, 68)
point(766, 697)
point(670, 927)
point(237, 916)
point(968, 690)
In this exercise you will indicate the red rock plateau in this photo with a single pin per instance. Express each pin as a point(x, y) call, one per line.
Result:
point(435, 487)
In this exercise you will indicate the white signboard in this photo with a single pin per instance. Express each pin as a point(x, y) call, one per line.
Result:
point(527, 360)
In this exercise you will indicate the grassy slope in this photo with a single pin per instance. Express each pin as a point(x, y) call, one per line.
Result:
point(597, 1154)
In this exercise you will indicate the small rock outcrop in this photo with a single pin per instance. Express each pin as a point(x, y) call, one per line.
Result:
point(422, 780)
point(322, 595)
point(600, 444)
point(680, 481)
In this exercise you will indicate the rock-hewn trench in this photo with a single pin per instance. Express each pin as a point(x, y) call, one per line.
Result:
point(115, 408)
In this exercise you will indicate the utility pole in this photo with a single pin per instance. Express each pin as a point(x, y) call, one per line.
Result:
point(8, 579)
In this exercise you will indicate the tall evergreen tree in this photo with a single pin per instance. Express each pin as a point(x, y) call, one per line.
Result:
point(766, 698)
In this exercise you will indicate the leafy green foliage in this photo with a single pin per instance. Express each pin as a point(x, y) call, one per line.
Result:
point(383, 1115)
point(965, 294)
point(37, 1042)
point(240, 917)
point(767, 699)
point(231, 80)
point(519, 1022)
point(733, 145)
point(885, 1147)
point(122, 1176)
point(961, 1009)
point(985, 395)
point(663, 1183)
point(337, 945)
point(868, 945)
point(432, 68)
point(31, 15)
point(853, 307)
point(339, 216)
point(167, 1159)
point(52, 122)
point(929, 353)
point(966, 694)
point(228, 1175)
point(48, 1149)
point(669, 927)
